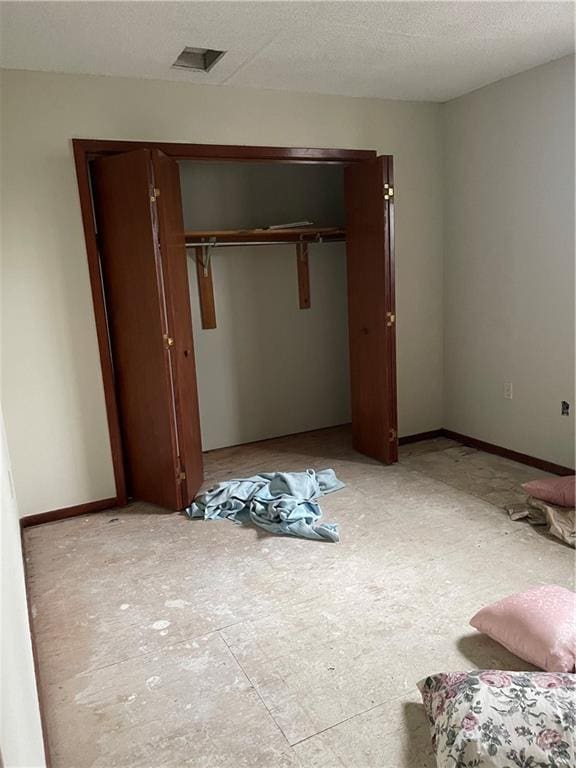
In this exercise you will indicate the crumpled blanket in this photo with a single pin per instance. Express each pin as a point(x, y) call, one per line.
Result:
point(279, 502)
point(561, 521)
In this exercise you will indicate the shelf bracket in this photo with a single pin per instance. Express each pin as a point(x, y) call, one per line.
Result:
point(303, 274)
point(204, 253)
point(205, 286)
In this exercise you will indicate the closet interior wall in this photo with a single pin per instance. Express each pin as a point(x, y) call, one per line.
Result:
point(269, 368)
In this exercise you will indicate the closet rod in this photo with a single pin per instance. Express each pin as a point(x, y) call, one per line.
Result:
point(264, 242)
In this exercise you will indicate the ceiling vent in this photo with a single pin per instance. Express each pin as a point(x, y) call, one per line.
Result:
point(200, 59)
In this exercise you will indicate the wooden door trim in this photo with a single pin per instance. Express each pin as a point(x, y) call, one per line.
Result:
point(99, 304)
point(390, 302)
point(84, 151)
point(230, 152)
point(371, 308)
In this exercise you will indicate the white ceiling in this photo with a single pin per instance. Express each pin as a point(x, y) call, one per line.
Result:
point(400, 50)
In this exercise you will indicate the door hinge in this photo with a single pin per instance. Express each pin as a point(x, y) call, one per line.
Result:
point(390, 319)
point(388, 192)
point(392, 435)
point(180, 473)
point(154, 194)
point(168, 340)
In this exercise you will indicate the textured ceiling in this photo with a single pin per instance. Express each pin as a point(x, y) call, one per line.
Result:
point(400, 50)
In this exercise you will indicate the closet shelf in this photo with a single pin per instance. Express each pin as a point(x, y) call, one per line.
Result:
point(204, 242)
point(242, 236)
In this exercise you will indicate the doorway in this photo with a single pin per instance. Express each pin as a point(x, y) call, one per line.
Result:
point(267, 272)
point(132, 215)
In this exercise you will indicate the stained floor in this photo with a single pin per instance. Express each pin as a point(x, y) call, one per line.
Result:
point(169, 642)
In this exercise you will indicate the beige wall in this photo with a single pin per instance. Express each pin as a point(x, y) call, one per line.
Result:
point(52, 389)
point(20, 729)
point(268, 368)
point(509, 262)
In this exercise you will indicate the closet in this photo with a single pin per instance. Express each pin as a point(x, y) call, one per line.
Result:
point(167, 226)
point(269, 300)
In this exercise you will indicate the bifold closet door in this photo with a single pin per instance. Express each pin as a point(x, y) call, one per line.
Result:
point(371, 307)
point(143, 257)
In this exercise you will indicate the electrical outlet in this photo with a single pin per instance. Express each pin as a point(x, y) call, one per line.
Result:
point(508, 393)
point(565, 408)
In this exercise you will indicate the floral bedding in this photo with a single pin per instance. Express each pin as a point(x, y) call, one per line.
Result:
point(494, 719)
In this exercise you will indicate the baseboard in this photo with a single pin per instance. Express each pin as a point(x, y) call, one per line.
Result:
point(62, 514)
point(473, 442)
point(507, 453)
point(420, 436)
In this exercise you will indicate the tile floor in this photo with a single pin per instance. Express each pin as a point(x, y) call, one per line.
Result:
point(169, 642)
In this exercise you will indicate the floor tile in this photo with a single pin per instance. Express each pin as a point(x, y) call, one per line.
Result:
point(146, 624)
point(190, 705)
point(324, 661)
point(391, 735)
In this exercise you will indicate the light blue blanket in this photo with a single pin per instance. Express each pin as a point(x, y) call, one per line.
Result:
point(279, 502)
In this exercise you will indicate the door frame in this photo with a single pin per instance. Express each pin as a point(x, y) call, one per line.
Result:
point(86, 150)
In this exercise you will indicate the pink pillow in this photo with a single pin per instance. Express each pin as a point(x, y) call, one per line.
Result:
point(539, 626)
point(555, 490)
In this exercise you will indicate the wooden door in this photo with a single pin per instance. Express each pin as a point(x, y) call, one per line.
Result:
point(371, 307)
point(141, 243)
